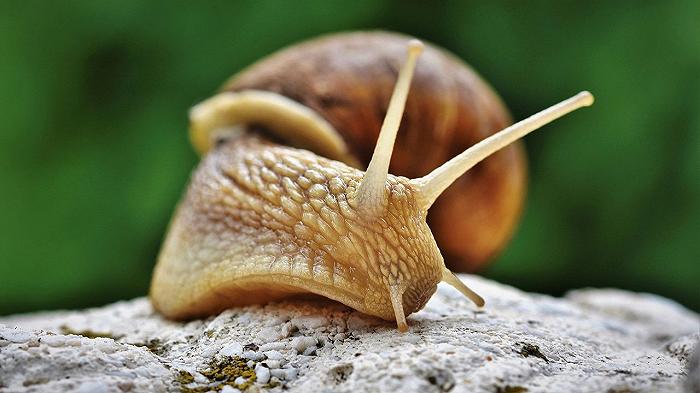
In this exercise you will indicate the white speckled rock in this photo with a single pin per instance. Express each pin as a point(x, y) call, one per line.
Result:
point(589, 341)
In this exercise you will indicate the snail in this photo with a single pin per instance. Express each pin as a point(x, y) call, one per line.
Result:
point(262, 221)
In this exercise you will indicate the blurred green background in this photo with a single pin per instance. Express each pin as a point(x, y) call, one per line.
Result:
point(94, 153)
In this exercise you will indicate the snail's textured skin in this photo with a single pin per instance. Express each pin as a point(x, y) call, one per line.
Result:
point(260, 222)
point(348, 79)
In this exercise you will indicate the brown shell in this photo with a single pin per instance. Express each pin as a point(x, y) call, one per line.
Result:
point(348, 78)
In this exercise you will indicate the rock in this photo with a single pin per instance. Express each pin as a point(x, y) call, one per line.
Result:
point(18, 336)
point(262, 373)
point(229, 389)
point(274, 355)
point(589, 341)
point(273, 346)
point(232, 349)
point(309, 351)
point(692, 383)
point(272, 364)
point(359, 321)
point(310, 322)
point(272, 333)
point(252, 355)
point(302, 343)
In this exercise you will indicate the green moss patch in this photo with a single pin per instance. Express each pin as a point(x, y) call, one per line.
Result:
point(219, 373)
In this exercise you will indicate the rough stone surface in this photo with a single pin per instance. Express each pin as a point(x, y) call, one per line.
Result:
point(589, 341)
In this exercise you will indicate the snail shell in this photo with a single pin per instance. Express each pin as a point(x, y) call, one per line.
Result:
point(262, 221)
point(347, 79)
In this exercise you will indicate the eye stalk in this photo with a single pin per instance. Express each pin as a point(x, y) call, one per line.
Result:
point(372, 195)
point(435, 183)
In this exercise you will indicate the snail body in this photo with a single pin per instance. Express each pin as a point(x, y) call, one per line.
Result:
point(262, 221)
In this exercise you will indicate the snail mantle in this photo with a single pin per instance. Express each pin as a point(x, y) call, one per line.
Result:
point(590, 340)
